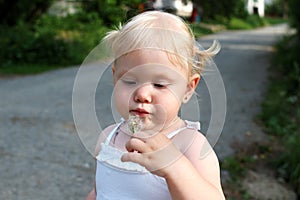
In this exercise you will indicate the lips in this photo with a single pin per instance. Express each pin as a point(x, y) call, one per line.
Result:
point(140, 112)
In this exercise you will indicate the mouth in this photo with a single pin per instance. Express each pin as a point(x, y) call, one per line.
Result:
point(139, 112)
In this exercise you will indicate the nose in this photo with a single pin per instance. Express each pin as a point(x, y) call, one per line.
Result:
point(143, 94)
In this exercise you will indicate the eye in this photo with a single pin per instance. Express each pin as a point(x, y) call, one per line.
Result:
point(129, 82)
point(159, 85)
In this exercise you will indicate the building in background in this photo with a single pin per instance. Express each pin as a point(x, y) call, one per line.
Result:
point(256, 7)
point(183, 8)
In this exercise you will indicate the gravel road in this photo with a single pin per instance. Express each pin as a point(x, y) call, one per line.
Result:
point(42, 157)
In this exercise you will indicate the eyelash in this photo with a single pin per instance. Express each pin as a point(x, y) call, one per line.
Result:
point(157, 85)
point(129, 82)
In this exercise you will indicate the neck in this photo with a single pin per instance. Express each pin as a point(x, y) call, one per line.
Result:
point(175, 124)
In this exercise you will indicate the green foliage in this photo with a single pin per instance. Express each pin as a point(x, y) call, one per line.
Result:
point(234, 166)
point(250, 22)
point(281, 109)
point(200, 30)
point(294, 14)
point(288, 163)
point(12, 12)
point(236, 23)
point(24, 69)
point(275, 20)
point(51, 40)
point(113, 12)
point(212, 9)
point(239, 10)
point(275, 8)
point(256, 21)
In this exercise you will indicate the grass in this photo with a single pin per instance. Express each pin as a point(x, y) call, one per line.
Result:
point(275, 20)
point(26, 69)
point(239, 24)
point(200, 30)
point(257, 157)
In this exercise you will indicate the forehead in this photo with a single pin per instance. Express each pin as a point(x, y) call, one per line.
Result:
point(148, 57)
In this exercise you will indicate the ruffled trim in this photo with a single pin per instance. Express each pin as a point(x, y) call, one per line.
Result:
point(112, 156)
point(193, 125)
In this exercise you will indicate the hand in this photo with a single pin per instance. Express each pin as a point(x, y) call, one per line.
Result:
point(155, 152)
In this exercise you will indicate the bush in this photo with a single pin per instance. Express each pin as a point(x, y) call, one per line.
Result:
point(32, 47)
point(250, 22)
point(12, 12)
point(113, 11)
point(256, 21)
point(281, 109)
point(51, 41)
point(236, 23)
point(294, 14)
point(275, 8)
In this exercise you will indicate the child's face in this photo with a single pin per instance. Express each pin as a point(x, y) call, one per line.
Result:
point(148, 85)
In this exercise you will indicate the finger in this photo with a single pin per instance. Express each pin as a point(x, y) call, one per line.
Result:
point(156, 142)
point(145, 134)
point(132, 157)
point(163, 157)
point(135, 144)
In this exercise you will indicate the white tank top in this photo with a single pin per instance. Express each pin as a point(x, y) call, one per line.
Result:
point(117, 180)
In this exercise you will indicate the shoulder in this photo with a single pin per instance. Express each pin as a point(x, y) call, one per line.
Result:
point(187, 138)
point(193, 144)
point(201, 154)
point(103, 136)
point(199, 149)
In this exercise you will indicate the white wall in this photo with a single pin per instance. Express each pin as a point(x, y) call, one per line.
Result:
point(256, 4)
point(181, 9)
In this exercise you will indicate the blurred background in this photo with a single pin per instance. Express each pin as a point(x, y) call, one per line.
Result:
point(40, 36)
point(67, 29)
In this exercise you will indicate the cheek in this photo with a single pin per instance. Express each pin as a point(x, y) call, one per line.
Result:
point(121, 96)
point(122, 100)
point(177, 93)
point(170, 101)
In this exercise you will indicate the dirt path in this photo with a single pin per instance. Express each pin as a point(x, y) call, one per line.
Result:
point(243, 63)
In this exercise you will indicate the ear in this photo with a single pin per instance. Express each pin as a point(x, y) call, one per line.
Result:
point(113, 69)
point(192, 84)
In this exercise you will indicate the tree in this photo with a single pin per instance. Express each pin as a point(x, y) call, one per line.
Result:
point(277, 8)
point(212, 9)
point(113, 11)
point(13, 11)
point(294, 14)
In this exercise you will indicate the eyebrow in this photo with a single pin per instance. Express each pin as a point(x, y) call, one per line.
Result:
point(164, 77)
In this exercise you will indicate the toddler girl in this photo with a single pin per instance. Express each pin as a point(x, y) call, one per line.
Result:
point(153, 153)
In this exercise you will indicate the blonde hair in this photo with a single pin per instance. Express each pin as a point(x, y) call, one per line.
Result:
point(161, 31)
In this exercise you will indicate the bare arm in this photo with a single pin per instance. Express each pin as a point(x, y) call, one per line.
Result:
point(198, 170)
point(196, 175)
point(91, 195)
point(185, 182)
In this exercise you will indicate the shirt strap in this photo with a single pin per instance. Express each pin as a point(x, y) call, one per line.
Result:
point(112, 133)
point(189, 125)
